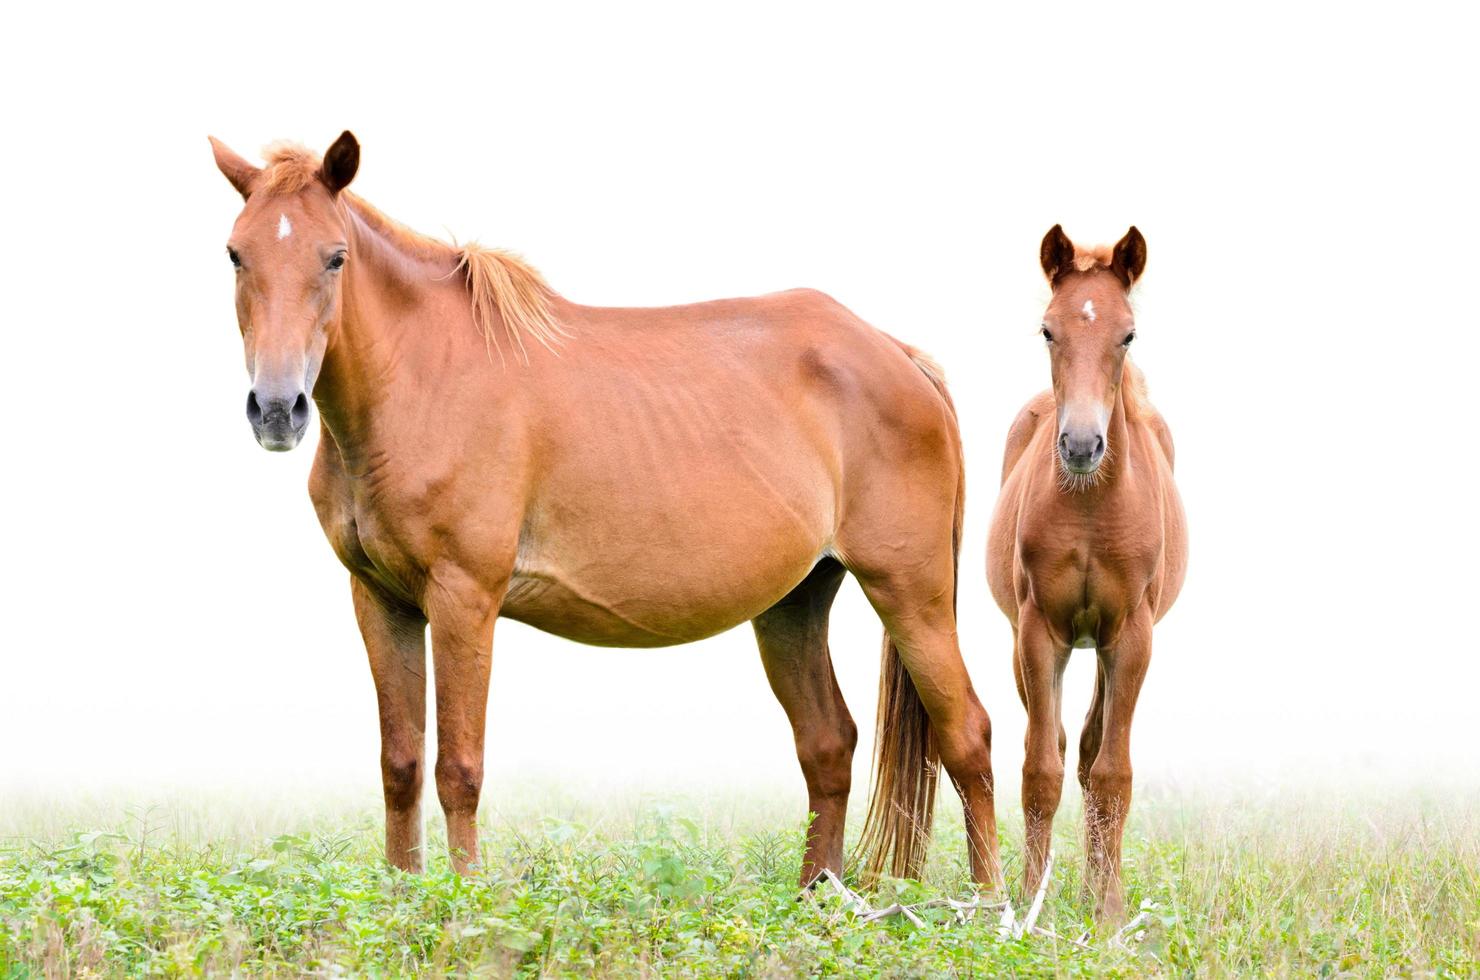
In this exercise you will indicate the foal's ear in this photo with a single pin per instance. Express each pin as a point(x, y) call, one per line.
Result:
point(1056, 254)
point(238, 171)
point(341, 162)
point(1129, 258)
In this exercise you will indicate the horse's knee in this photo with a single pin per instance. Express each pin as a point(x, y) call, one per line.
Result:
point(1043, 774)
point(459, 782)
point(827, 759)
point(400, 772)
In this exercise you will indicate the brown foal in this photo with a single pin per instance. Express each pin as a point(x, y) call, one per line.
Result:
point(622, 477)
point(1088, 547)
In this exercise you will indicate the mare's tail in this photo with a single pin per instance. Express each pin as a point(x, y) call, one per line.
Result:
point(902, 804)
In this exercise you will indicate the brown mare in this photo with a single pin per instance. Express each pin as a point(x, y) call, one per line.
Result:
point(622, 477)
point(1088, 547)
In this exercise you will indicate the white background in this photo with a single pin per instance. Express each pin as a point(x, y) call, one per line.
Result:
point(1306, 183)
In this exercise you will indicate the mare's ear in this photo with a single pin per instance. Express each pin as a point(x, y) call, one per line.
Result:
point(238, 171)
point(1056, 254)
point(1129, 258)
point(341, 162)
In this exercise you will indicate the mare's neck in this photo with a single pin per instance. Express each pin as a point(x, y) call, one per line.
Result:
point(388, 288)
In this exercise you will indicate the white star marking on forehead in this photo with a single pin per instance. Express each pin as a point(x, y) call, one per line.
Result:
point(1089, 305)
point(285, 228)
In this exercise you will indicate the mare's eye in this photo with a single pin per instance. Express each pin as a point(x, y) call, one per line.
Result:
point(1048, 337)
point(1128, 338)
point(337, 262)
point(236, 260)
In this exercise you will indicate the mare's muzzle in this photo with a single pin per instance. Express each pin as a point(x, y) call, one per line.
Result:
point(279, 418)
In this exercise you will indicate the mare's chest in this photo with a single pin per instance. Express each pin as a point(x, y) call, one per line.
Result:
point(371, 528)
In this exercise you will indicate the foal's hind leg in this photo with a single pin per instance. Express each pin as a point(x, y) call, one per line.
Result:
point(1094, 729)
point(1039, 662)
point(1089, 749)
point(1107, 788)
point(793, 640)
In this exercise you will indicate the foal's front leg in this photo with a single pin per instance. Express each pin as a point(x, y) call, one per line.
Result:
point(462, 612)
point(1107, 790)
point(395, 639)
point(1040, 662)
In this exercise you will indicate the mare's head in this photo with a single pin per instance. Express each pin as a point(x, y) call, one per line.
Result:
point(288, 247)
point(1088, 328)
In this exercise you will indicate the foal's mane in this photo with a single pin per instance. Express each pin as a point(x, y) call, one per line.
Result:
point(1088, 258)
point(502, 287)
point(1133, 393)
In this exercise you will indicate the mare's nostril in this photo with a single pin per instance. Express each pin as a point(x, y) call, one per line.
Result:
point(254, 410)
point(300, 411)
point(1063, 440)
point(1099, 445)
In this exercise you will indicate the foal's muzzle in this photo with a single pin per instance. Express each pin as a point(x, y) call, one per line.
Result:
point(278, 419)
point(1081, 450)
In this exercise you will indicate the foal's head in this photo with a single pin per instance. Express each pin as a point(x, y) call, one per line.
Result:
point(288, 247)
point(1088, 328)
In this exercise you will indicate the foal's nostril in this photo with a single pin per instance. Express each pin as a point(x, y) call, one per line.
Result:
point(300, 411)
point(254, 410)
point(1099, 445)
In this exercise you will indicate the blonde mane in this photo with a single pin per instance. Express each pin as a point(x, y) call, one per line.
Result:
point(502, 288)
point(1088, 259)
point(1133, 388)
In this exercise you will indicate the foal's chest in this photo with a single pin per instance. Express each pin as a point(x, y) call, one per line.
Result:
point(1085, 569)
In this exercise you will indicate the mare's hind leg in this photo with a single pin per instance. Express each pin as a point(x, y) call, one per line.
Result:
point(917, 608)
point(1039, 662)
point(1107, 785)
point(792, 636)
point(396, 643)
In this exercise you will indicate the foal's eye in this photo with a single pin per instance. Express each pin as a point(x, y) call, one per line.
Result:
point(236, 260)
point(337, 262)
point(1048, 337)
point(1128, 338)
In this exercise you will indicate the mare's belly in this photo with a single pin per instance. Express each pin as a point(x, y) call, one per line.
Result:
point(671, 532)
point(643, 608)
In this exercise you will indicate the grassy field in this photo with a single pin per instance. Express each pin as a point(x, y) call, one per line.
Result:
point(1253, 884)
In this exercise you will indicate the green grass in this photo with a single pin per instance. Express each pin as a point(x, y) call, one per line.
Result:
point(689, 887)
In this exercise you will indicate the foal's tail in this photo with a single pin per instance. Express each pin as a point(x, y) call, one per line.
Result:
point(902, 805)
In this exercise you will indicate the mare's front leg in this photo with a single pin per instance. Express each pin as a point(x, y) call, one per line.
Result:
point(1107, 790)
point(462, 611)
point(1039, 661)
point(395, 639)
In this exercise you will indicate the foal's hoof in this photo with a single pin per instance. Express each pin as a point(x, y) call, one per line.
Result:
point(1110, 910)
